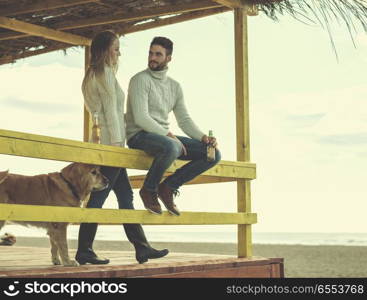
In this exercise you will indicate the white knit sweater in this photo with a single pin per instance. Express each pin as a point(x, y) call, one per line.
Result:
point(105, 96)
point(152, 96)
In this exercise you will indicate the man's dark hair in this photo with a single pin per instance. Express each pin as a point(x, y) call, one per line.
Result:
point(164, 42)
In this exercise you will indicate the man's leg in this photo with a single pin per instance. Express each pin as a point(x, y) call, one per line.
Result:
point(196, 152)
point(164, 150)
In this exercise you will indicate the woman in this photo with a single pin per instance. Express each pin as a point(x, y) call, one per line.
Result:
point(104, 96)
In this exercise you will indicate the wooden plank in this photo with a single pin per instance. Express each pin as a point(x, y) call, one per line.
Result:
point(264, 271)
point(244, 233)
point(37, 146)
point(12, 36)
point(126, 17)
point(172, 20)
point(138, 180)
point(35, 262)
point(40, 6)
point(141, 15)
point(277, 270)
point(230, 3)
point(251, 9)
point(124, 30)
point(87, 122)
point(44, 32)
point(13, 58)
point(16, 212)
point(242, 128)
point(242, 86)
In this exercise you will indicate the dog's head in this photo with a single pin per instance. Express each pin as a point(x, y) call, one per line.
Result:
point(85, 178)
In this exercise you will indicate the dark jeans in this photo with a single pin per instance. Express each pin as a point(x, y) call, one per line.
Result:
point(165, 151)
point(119, 183)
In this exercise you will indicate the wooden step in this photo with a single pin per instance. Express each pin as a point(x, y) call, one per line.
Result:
point(27, 262)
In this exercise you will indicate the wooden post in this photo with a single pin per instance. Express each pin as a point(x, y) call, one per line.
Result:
point(87, 118)
point(244, 237)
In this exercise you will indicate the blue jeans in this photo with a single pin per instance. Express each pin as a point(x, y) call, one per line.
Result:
point(119, 183)
point(165, 151)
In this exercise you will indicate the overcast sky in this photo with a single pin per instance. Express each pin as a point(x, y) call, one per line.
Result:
point(308, 115)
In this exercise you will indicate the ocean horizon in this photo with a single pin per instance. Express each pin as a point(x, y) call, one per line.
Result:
point(205, 235)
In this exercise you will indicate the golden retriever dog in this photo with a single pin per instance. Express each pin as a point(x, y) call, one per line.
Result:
point(70, 187)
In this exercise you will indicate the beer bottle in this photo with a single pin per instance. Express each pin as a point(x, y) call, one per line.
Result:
point(210, 150)
point(96, 129)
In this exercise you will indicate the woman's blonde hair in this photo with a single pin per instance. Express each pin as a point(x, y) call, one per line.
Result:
point(99, 52)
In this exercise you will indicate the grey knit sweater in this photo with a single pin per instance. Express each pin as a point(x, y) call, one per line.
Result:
point(151, 97)
point(105, 96)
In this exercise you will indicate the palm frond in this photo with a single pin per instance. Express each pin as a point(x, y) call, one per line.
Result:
point(316, 11)
point(322, 12)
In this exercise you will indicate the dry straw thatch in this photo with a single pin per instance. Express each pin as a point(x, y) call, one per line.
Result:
point(87, 17)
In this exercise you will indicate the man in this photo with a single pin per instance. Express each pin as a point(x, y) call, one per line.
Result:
point(152, 96)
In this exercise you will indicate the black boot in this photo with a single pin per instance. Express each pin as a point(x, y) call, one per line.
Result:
point(85, 253)
point(143, 251)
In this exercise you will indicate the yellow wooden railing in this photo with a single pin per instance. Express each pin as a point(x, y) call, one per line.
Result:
point(38, 146)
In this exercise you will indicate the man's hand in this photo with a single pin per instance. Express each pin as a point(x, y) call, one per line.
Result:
point(209, 140)
point(171, 135)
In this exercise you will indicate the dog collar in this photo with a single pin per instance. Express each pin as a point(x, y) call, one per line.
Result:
point(71, 187)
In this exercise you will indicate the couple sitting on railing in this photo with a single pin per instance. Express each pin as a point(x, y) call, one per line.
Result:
point(152, 96)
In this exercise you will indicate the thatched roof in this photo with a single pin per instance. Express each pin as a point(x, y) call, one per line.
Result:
point(67, 23)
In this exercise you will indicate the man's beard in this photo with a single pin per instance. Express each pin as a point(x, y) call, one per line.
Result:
point(158, 67)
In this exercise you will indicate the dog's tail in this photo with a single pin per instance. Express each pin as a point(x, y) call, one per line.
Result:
point(3, 176)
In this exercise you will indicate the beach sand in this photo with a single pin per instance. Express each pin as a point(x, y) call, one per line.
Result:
point(299, 261)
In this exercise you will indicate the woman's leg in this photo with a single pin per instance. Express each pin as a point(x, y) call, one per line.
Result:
point(87, 231)
point(134, 232)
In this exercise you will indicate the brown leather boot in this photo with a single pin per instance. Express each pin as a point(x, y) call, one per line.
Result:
point(150, 200)
point(165, 193)
point(143, 251)
point(85, 253)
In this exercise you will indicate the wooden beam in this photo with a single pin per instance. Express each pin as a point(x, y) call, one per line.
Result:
point(12, 36)
point(87, 124)
point(40, 6)
point(125, 17)
point(17, 212)
point(140, 15)
point(172, 20)
point(127, 30)
point(44, 32)
point(137, 181)
point(12, 58)
point(107, 4)
point(242, 126)
point(230, 3)
point(251, 9)
point(38, 146)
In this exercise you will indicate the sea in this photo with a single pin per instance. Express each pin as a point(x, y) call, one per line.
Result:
point(205, 234)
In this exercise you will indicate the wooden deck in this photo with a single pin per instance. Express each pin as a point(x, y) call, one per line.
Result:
point(27, 262)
